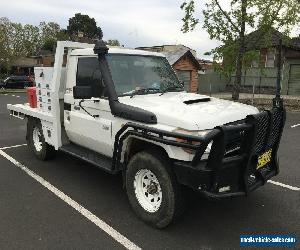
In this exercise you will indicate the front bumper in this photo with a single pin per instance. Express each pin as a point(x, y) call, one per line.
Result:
point(236, 173)
point(231, 167)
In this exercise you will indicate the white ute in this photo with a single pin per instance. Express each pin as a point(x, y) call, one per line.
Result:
point(124, 110)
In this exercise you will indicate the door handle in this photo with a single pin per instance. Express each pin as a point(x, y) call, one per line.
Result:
point(76, 107)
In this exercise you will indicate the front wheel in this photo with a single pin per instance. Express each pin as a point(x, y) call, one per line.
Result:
point(152, 189)
point(36, 141)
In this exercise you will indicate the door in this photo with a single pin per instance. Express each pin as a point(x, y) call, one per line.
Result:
point(185, 77)
point(294, 80)
point(89, 123)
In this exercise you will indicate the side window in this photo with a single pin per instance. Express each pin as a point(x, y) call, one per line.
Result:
point(89, 74)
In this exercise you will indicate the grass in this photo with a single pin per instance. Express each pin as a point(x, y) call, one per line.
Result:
point(7, 91)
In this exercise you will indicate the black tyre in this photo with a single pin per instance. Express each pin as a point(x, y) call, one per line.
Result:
point(152, 189)
point(36, 141)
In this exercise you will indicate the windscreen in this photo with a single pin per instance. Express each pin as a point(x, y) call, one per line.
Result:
point(135, 72)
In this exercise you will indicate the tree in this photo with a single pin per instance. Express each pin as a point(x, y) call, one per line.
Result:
point(12, 43)
point(49, 44)
point(17, 40)
point(48, 30)
point(50, 33)
point(230, 26)
point(83, 26)
point(113, 42)
point(29, 40)
point(62, 35)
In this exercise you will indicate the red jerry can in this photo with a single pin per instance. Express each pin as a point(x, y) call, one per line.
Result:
point(31, 97)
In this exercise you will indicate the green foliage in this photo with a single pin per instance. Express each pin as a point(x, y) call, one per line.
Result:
point(189, 21)
point(229, 25)
point(113, 42)
point(12, 42)
point(83, 25)
point(62, 35)
point(49, 30)
point(17, 40)
point(224, 24)
point(49, 44)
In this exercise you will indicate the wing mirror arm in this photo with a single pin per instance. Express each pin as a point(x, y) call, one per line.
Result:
point(80, 102)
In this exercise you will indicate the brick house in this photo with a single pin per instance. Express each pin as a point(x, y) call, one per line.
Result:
point(25, 65)
point(183, 61)
point(267, 49)
point(268, 57)
point(262, 72)
point(205, 65)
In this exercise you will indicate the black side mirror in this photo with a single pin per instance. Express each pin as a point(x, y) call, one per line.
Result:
point(82, 92)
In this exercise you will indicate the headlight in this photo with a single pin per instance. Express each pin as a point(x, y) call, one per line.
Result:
point(194, 133)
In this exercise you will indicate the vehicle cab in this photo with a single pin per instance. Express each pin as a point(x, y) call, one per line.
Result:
point(144, 80)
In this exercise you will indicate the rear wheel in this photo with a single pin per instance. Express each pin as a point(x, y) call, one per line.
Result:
point(152, 189)
point(36, 141)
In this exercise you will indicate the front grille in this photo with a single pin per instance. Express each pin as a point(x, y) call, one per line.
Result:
point(268, 125)
point(277, 120)
point(262, 129)
point(235, 140)
point(233, 144)
point(251, 180)
point(250, 157)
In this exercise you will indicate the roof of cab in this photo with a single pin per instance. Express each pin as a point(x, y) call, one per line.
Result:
point(116, 50)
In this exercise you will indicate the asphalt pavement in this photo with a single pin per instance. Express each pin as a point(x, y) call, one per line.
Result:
point(33, 217)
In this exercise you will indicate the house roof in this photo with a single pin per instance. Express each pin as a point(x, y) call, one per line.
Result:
point(204, 61)
point(175, 55)
point(163, 45)
point(44, 52)
point(295, 42)
point(259, 39)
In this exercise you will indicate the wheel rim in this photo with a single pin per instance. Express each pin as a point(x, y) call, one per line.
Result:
point(147, 190)
point(36, 136)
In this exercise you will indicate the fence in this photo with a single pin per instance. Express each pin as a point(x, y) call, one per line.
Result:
point(258, 81)
point(253, 81)
point(212, 82)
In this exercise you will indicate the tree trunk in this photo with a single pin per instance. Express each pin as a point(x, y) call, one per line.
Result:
point(240, 54)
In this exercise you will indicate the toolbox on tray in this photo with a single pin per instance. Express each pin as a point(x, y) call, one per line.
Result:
point(43, 79)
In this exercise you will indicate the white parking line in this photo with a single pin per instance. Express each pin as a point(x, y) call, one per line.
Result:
point(83, 211)
point(284, 185)
point(15, 146)
point(296, 125)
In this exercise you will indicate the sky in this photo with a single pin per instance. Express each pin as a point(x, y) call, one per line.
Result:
point(133, 22)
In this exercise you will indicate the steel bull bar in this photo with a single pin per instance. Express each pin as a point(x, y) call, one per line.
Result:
point(243, 155)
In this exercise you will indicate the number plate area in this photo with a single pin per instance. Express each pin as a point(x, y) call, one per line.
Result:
point(264, 159)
